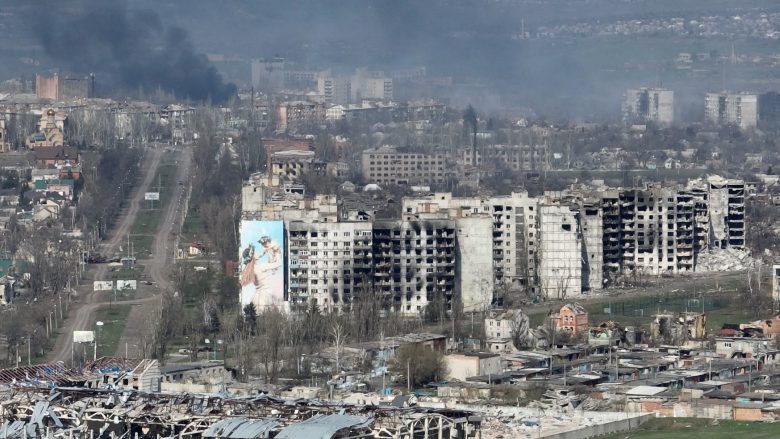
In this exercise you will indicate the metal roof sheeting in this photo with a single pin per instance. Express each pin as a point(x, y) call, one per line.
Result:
point(241, 428)
point(323, 426)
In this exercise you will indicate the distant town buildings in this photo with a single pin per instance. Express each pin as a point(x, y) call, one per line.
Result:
point(510, 157)
point(389, 165)
point(267, 74)
point(62, 87)
point(334, 89)
point(648, 105)
point(371, 85)
point(740, 109)
point(298, 115)
point(5, 144)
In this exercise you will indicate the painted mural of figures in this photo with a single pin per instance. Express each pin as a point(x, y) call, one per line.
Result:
point(262, 281)
point(270, 248)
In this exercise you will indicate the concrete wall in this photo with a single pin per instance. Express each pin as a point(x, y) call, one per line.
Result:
point(590, 431)
point(475, 260)
point(460, 367)
point(747, 414)
point(697, 408)
point(490, 366)
point(591, 221)
point(577, 422)
point(560, 252)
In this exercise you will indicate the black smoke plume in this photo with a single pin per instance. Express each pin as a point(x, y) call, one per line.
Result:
point(131, 49)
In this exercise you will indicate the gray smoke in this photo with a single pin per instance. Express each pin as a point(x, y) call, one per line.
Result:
point(131, 49)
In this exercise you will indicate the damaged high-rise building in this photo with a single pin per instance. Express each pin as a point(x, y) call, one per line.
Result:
point(471, 251)
point(513, 232)
point(560, 251)
point(660, 229)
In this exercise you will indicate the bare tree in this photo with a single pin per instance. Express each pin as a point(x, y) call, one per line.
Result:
point(339, 336)
point(520, 328)
point(270, 342)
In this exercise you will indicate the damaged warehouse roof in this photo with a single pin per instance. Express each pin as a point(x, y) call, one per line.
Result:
point(35, 412)
point(324, 426)
point(56, 373)
point(241, 428)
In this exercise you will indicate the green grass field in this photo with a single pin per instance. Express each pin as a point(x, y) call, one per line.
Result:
point(114, 318)
point(717, 298)
point(192, 229)
point(683, 428)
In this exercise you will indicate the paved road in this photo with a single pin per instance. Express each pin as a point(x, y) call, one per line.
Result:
point(139, 322)
point(90, 300)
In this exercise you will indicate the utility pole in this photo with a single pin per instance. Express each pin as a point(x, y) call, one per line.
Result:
point(408, 376)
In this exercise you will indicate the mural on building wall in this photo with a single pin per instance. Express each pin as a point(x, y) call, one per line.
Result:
point(261, 258)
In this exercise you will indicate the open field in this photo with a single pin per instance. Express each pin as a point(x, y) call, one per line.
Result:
point(683, 428)
point(716, 296)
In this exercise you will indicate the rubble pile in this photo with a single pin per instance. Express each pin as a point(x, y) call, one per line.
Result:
point(724, 259)
point(558, 401)
point(80, 413)
point(599, 405)
point(510, 426)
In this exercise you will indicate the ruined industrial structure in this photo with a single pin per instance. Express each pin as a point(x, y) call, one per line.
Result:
point(36, 412)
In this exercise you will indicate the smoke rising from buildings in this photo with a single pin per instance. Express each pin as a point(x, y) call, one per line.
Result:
point(130, 50)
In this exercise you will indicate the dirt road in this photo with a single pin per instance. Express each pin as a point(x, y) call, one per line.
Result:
point(138, 321)
point(90, 300)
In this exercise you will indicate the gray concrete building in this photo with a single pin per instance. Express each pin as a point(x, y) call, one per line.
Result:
point(388, 165)
point(329, 263)
point(335, 89)
point(560, 252)
point(513, 231)
point(474, 277)
point(648, 105)
point(592, 225)
point(740, 109)
point(414, 262)
point(511, 157)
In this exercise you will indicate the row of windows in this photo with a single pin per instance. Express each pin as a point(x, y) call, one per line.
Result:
point(325, 234)
point(404, 156)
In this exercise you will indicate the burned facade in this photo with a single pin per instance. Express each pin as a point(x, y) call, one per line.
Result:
point(658, 230)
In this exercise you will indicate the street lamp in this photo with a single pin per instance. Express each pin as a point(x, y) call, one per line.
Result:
point(99, 325)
